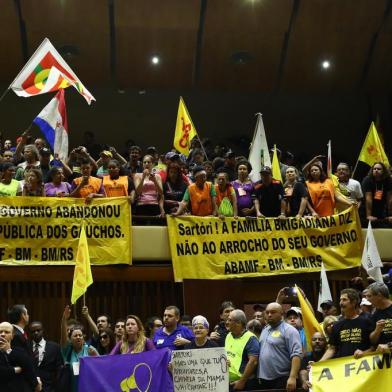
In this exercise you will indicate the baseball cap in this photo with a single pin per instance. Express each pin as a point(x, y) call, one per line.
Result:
point(365, 302)
point(44, 151)
point(106, 153)
point(265, 169)
point(294, 310)
point(327, 304)
point(171, 155)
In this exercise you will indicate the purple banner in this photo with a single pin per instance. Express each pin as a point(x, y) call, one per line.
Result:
point(145, 372)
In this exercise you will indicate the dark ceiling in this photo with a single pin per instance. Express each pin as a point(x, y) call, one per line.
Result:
point(217, 45)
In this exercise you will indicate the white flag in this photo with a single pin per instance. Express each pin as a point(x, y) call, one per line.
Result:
point(325, 292)
point(259, 153)
point(371, 260)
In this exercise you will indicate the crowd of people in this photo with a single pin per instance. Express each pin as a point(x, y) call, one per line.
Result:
point(267, 351)
point(213, 183)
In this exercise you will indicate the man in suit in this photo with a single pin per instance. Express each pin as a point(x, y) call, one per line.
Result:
point(46, 356)
point(18, 316)
point(16, 367)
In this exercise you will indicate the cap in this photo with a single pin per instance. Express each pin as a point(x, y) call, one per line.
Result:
point(200, 320)
point(326, 304)
point(265, 169)
point(171, 155)
point(295, 310)
point(106, 153)
point(365, 302)
point(151, 150)
point(44, 151)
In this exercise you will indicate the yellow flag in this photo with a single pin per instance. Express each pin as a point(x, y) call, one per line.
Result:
point(372, 150)
point(82, 274)
point(311, 325)
point(275, 166)
point(185, 130)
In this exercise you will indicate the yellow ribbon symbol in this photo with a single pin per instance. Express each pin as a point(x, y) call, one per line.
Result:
point(130, 383)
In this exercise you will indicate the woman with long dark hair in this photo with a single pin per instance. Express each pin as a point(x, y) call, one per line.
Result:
point(174, 187)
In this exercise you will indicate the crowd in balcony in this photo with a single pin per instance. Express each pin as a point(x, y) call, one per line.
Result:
point(213, 183)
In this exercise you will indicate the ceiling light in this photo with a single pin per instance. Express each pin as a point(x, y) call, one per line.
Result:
point(155, 60)
point(325, 64)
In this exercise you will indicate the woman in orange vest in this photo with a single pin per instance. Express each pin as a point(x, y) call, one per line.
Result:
point(116, 185)
point(225, 193)
point(87, 186)
point(200, 195)
point(322, 193)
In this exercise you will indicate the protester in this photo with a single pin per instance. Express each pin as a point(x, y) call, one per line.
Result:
point(226, 200)
point(73, 347)
point(244, 189)
point(33, 184)
point(280, 352)
point(255, 327)
point(174, 187)
point(229, 165)
point(328, 308)
point(327, 325)
point(347, 186)
point(56, 186)
point(200, 196)
point(295, 193)
point(351, 334)
point(323, 195)
point(105, 157)
point(209, 168)
point(242, 350)
point(107, 341)
point(172, 335)
point(134, 339)
point(269, 196)
point(220, 330)
point(149, 192)
point(152, 325)
point(103, 322)
point(319, 345)
point(294, 318)
point(44, 163)
point(119, 329)
point(134, 165)
point(31, 156)
point(115, 184)
point(200, 327)
point(9, 186)
point(377, 187)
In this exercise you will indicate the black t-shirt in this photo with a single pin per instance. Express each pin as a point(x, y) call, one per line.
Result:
point(379, 192)
point(174, 191)
point(351, 335)
point(294, 200)
point(269, 197)
point(208, 344)
point(384, 314)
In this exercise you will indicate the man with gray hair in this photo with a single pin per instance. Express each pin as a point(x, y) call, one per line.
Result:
point(280, 352)
point(242, 350)
point(378, 295)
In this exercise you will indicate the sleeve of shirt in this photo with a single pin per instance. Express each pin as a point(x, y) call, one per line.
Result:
point(188, 334)
point(334, 340)
point(302, 191)
point(73, 186)
point(131, 186)
point(294, 343)
point(252, 347)
point(367, 185)
point(358, 190)
point(186, 196)
point(213, 191)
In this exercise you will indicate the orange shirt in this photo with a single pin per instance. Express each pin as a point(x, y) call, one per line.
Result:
point(201, 199)
point(117, 187)
point(228, 192)
point(322, 195)
point(93, 186)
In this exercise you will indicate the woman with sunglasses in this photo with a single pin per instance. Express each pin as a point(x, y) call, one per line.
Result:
point(107, 341)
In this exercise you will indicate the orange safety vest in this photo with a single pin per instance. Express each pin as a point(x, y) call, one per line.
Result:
point(93, 186)
point(322, 195)
point(201, 200)
point(117, 187)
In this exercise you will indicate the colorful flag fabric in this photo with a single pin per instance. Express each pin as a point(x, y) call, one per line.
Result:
point(371, 260)
point(47, 71)
point(82, 274)
point(276, 173)
point(311, 325)
point(372, 150)
point(185, 130)
point(325, 292)
point(329, 160)
point(52, 121)
point(145, 371)
point(259, 153)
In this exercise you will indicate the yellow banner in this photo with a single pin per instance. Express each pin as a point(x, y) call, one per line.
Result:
point(45, 230)
point(371, 373)
point(211, 248)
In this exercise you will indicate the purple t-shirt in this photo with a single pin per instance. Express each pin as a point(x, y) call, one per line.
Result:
point(52, 190)
point(244, 196)
point(162, 339)
point(148, 346)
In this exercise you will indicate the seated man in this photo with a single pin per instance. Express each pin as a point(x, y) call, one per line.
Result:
point(200, 196)
point(87, 186)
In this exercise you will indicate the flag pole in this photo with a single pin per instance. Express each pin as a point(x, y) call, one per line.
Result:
point(4, 93)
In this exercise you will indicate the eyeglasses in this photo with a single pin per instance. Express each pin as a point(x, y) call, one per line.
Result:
point(103, 336)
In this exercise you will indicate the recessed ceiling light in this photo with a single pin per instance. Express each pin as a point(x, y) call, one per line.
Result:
point(155, 60)
point(325, 64)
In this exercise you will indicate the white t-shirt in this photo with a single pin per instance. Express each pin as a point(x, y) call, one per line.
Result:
point(352, 189)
